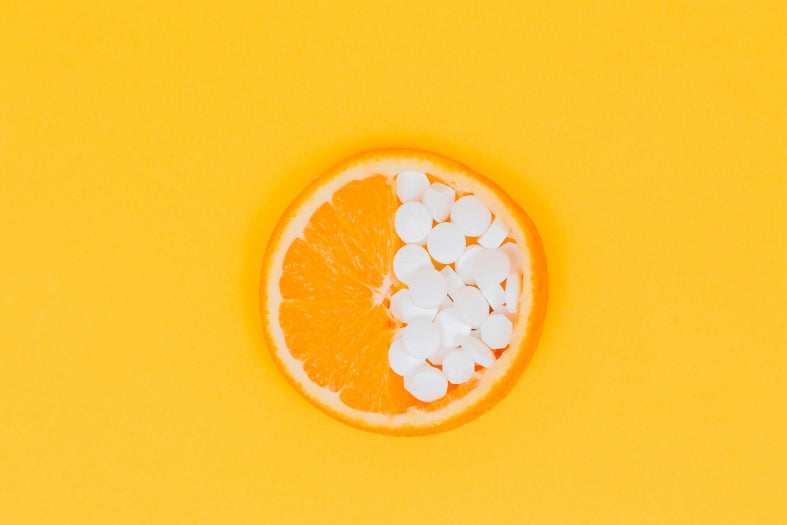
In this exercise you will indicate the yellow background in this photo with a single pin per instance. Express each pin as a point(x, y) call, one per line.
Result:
point(147, 149)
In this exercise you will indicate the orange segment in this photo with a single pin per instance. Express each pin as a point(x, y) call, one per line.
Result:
point(366, 208)
point(309, 273)
point(326, 284)
point(337, 342)
point(389, 395)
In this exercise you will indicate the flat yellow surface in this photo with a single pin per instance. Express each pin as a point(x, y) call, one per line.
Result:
point(147, 149)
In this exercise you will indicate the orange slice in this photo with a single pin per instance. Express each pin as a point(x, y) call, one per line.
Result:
point(326, 284)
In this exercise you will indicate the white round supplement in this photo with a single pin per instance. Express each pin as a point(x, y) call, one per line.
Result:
point(513, 288)
point(470, 214)
point(438, 199)
point(470, 306)
point(400, 361)
point(494, 294)
point(490, 266)
point(426, 384)
point(411, 185)
point(458, 367)
point(476, 349)
point(514, 255)
point(405, 310)
point(464, 265)
point(452, 279)
point(496, 331)
point(421, 338)
point(437, 358)
point(428, 288)
point(445, 242)
point(494, 235)
point(408, 259)
point(452, 330)
point(412, 222)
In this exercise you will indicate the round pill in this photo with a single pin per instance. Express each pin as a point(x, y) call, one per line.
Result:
point(496, 331)
point(458, 367)
point(428, 288)
point(514, 255)
point(405, 310)
point(470, 214)
point(490, 267)
point(445, 242)
point(421, 338)
point(400, 361)
point(408, 259)
point(471, 306)
point(411, 185)
point(452, 330)
point(452, 279)
point(513, 288)
point(426, 384)
point(464, 265)
point(438, 199)
point(412, 222)
point(494, 235)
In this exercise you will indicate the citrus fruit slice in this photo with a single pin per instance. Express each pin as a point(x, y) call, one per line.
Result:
point(328, 278)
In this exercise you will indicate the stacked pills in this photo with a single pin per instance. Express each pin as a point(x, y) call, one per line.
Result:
point(462, 286)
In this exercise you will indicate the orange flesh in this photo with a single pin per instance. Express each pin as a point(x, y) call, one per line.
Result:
point(335, 286)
